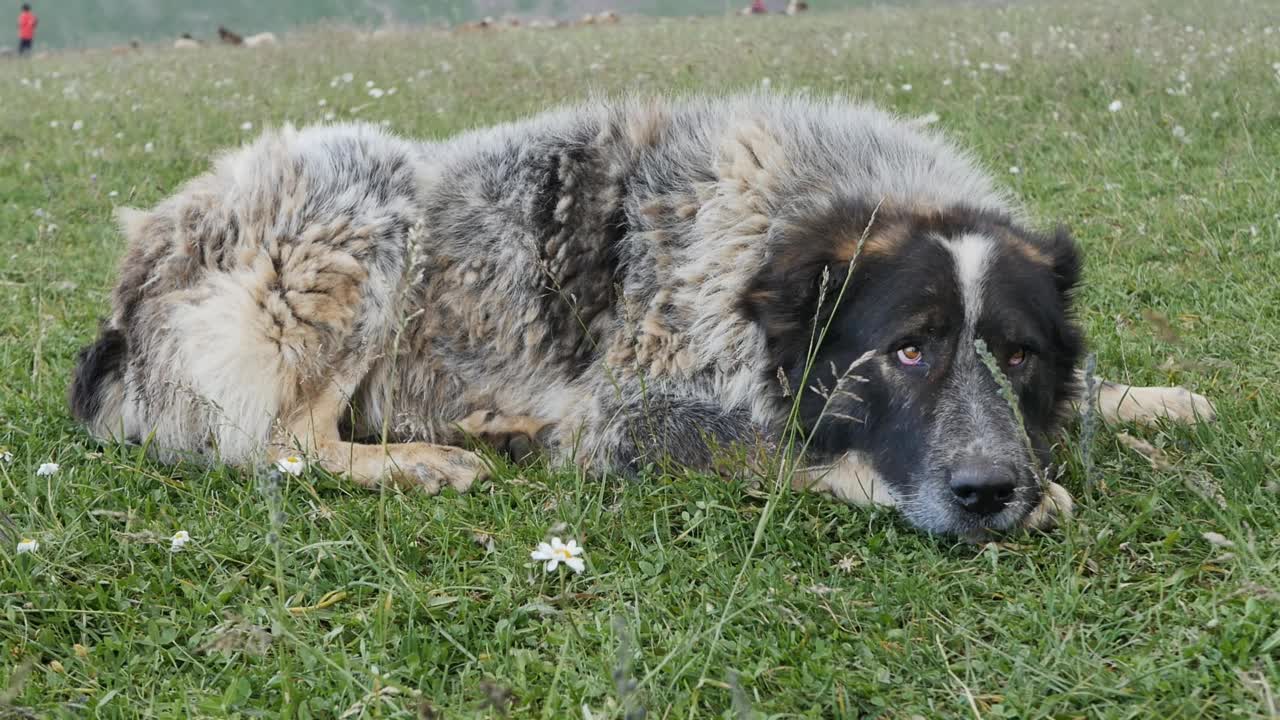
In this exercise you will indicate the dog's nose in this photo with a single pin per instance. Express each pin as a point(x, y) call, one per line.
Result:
point(982, 485)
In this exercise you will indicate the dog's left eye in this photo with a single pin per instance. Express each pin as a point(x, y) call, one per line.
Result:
point(1018, 357)
point(910, 355)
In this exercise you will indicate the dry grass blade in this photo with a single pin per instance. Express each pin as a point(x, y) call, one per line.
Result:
point(1153, 454)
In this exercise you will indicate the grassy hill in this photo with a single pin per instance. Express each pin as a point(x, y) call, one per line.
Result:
point(96, 23)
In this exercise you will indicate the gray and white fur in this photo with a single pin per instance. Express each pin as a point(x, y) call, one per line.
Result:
point(612, 278)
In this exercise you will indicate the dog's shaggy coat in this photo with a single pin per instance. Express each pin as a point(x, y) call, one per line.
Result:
point(622, 279)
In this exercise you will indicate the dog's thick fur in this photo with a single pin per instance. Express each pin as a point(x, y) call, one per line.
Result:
point(632, 282)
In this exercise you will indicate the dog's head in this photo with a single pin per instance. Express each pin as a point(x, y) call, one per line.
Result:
point(897, 375)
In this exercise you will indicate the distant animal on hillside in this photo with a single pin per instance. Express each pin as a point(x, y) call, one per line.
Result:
point(795, 7)
point(228, 37)
point(630, 284)
point(262, 39)
point(486, 23)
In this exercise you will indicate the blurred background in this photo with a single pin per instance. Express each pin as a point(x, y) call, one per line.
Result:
point(94, 23)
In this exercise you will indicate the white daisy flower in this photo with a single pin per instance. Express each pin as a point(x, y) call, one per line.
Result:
point(28, 545)
point(47, 469)
point(149, 147)
point(1115, 106)
point(1015, 170)
point(292, 465)
point(246, 126)
point(557, 552)
point(376, 92)
point(906, 87)
point(77, 125)
point(347, 77)
point(6, 456)
point(178, 540)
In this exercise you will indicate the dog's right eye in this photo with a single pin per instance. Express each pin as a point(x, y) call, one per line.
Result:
point(910, 355)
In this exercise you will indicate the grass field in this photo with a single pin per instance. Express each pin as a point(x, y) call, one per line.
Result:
point(700, 598)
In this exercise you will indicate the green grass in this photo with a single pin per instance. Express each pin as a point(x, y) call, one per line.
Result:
point(836, 611)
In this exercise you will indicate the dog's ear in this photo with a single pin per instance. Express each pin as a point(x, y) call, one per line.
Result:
point(1067, 262)
point(806, 268)
point(794, 295)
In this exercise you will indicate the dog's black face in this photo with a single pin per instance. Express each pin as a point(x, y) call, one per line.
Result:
point(897, 377)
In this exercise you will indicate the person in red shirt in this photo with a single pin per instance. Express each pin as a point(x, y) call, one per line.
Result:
point(26, 29)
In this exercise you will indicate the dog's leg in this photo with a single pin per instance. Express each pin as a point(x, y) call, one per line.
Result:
point(313, 428)
point(662, 430)
point(519, 437)
point(1146, 405)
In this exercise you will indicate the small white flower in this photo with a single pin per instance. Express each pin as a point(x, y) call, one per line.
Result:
point(47, 469)
point(28, 545)
point(1180, 133)
point(1015, 170)
point(1115, 106)
point(54, 123)
point(113, 193)
point(368, 83)
point(906, 87)
point(557, 552)
point(329, 116)
point(77, 125)
point(322, 102)
point(149, 147)
point(392, 91)
point(376, 93)
point(178, 540)
point(765, 82)
point(6, 457)
point(946, 82)
point(293, 465)
point(347, 77)
point(246, 126)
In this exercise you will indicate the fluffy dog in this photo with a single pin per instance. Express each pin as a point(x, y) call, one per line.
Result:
point(632, 283)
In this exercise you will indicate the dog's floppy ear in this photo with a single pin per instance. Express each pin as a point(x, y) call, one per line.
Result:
point(794, 294)
point(1067, 262)
point(808, 261)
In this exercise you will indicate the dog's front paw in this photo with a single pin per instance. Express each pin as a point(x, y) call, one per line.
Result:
point(1149, 405)
point(1180, 405)
point(1055, 506)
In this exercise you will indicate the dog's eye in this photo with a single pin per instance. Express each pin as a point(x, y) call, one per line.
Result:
point(910, 355)
point(1018, 357)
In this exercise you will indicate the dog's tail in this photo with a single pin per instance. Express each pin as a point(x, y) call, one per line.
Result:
point(96, 395)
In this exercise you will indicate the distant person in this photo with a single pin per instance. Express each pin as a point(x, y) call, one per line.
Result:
point(26, 29)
